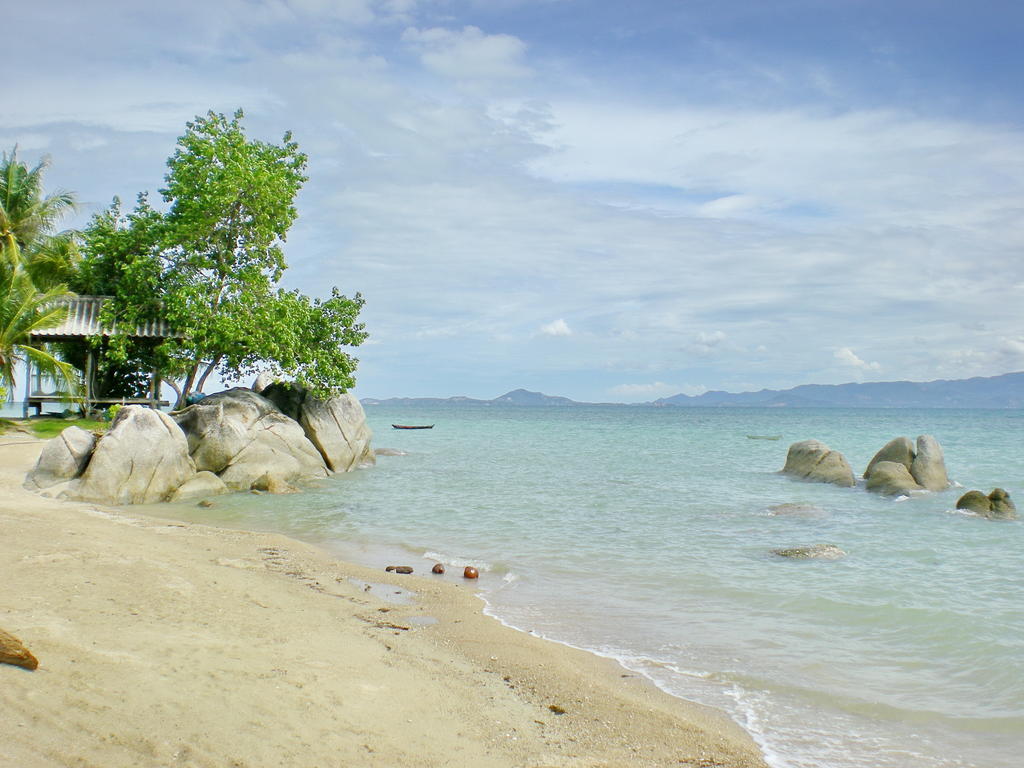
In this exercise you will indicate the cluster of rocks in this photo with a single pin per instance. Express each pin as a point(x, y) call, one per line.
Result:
point(897, 468)
point(996, 506)
point(900, 467)
point(237, 440)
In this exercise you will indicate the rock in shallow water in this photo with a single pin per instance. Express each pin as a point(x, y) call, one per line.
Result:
point(796, 509)
point(813, 552)
point(891, 478)
point(929, 466)
point(996, 506)
point(899, 450)
point(814, 461)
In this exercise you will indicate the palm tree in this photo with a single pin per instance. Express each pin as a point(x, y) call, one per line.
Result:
point(24, 310)
point(28, 218)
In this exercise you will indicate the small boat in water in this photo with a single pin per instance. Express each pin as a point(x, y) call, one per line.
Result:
point(406, 426)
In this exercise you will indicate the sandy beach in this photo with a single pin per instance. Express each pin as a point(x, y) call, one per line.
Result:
point(162, 643)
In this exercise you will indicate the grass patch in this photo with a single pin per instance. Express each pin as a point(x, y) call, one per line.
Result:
point(47, 428)
point(50, 427)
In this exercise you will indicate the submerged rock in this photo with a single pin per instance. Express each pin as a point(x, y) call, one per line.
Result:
point(795, 509)
point(814, 461)
point(813, 552)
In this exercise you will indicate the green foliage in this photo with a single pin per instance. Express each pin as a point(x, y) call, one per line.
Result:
point(112, 411)
point(51, 427)
point(121, 259)
point(211, 265)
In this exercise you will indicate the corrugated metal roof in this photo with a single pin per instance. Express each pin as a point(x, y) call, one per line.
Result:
point(84, 320)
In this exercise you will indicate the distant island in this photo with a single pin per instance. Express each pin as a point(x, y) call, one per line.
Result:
point(1005, 391)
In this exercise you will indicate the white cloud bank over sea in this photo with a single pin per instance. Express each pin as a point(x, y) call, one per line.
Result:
point(589, 200)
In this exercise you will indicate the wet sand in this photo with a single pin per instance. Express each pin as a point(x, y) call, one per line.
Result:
point(163, 643)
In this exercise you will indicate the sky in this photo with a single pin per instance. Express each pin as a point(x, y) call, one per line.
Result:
point(610, 201)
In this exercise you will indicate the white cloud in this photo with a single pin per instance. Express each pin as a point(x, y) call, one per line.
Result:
point(847, 356)
point(556, 328)
point(464, 217)
point(706, 343)
point(878, 164)
point(469, 53)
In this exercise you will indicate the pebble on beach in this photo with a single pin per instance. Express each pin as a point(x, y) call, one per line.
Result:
point(399, 569)
point(438, 568)
point(471, 572)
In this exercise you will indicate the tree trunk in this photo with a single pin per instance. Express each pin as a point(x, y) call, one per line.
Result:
point(207, 372)
point(186, 386)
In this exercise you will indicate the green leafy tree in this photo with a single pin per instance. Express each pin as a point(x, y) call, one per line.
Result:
point(219, 258)
point(24, 310)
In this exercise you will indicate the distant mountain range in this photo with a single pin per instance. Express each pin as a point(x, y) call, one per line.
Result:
point(515, 397)
point(1006, 391)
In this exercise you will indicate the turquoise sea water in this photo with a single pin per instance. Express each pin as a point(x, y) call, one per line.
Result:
point(644, 534)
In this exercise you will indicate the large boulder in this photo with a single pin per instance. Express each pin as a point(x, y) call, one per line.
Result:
point(218, 426)
point(814, 461)
point(337, 427)
point(278, 455)
point(143, 458)
point(246, 439)
point(63, 458)
point(929, 465)
point(891, 478)
point(899, 450)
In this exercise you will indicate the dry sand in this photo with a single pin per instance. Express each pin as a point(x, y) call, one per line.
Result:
point(169, 644)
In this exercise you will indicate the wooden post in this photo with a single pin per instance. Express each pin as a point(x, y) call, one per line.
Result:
point(88, 381)
point(28, 387)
